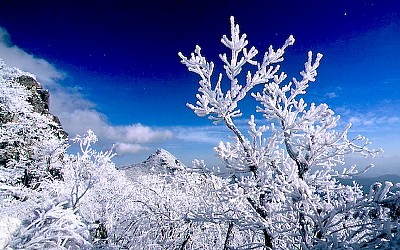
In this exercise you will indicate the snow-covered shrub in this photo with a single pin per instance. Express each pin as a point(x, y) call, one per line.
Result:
point(61, 213)
point(161, 207)
point(284, 192)
point(56, 227)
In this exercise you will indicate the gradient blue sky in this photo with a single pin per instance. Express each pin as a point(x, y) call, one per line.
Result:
point(112, 65)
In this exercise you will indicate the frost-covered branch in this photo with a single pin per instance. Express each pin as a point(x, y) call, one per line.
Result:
point(292, 196)
point(216, 104)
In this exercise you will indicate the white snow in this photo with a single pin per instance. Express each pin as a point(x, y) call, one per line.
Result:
point(8, 226)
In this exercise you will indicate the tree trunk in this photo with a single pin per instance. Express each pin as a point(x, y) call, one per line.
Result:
point(267, 239)
point(228, 236)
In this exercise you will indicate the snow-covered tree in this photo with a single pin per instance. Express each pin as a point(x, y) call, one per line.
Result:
point(285, 192)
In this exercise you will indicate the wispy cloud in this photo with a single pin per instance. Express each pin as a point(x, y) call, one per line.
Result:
point(13, 56)
point(201, 134)
point(130, 148)
point(76, 113)
point(374, 120)
point(330, 95)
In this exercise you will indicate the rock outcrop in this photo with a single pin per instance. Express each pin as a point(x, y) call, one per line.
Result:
point(40, 100)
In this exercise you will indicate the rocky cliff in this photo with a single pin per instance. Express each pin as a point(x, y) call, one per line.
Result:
point(40, 100)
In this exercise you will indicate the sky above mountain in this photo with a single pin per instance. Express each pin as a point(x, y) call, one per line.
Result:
point(112, 66)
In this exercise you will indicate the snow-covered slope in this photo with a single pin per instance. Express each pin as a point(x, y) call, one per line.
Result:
point(161, 161)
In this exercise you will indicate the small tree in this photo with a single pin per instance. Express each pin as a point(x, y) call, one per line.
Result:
point(285, 189)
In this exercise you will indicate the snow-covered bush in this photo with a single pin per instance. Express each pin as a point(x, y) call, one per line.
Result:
point(63, 212)
point(57, 227)
point(285, 191)
point(93, 186)
point(162, 205)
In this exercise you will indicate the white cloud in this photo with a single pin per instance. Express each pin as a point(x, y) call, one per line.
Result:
point(385, 163)
point(128, 139)
point(67, 100)
point(384, 117)
point(393, 120)
point(126, 148)
point(136, 133)
point(76, 113)
point(78, 121)
point(46, 73)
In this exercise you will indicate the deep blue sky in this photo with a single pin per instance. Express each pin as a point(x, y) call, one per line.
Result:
point(121, 56)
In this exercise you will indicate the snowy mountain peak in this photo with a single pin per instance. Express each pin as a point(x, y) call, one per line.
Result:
point(161, 161)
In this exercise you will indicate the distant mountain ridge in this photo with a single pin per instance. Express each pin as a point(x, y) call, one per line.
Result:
point(366, 182)
point(164, 162)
